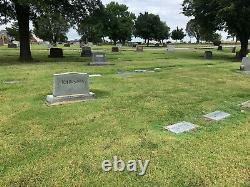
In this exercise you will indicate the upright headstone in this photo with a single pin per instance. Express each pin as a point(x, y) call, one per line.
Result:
point(208, 55)
point(220, 48)
point(245, 65)
point(69, 87)
point(86, 51)
point(56, 53)
point(170, 48)
point(119, 46)
point(115, 49)
point(98, 59)
point(139, 48)
point(12, 45)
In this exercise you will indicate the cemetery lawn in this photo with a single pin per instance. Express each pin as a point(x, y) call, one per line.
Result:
point(65, 145)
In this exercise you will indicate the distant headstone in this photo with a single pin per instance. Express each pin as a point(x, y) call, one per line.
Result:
point(140, 71)
point(70, 87)
point(217, 115)
point(180, 127)
point(245, 65)
point(170, 48)
point(56, 53)
point(115, 49)
point(12, 45)
point(139, 48)
point(234, 50)
point(220, 48)
point(86, 52)
point(208, 55)
point(1, 42)
point(67, 45)
point(119, 46)
point(98, 59)
point(134, 44)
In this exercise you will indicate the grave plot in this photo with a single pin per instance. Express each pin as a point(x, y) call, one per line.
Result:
point(217, 115)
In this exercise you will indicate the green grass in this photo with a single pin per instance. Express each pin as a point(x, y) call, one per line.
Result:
point(65, 145)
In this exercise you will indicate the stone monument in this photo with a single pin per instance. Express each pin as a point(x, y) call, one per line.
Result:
point(56, 53)
point(86, 51)
point(70, 87)
point(98, 59)
point(208, 55)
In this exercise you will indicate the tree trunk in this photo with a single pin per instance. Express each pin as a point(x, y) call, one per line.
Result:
point(148, 43)
point(244, 47)
point(23, 15)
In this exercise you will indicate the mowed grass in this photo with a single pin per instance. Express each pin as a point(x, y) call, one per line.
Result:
point(65, 145)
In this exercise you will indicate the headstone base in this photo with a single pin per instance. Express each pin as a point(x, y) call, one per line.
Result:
point(52, 100)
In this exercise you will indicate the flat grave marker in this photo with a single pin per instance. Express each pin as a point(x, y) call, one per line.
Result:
point(180, 127)
point(217, 115)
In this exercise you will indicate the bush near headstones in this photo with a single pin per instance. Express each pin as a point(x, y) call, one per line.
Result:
point(56, 53)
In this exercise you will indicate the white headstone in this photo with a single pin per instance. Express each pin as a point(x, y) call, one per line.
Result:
point(245, 66)
point(217, 115)
point(170, 48)
point(181, 127)
point(98, 58)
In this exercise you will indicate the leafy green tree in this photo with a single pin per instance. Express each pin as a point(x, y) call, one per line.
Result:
point(231, 15)
point(119, 22)
point(163, 32)
point(147, 27)
point(13, 31)
point(193, 29)
point(92, 27)
point(51, 27)
point(24, 11)
point(178, 34)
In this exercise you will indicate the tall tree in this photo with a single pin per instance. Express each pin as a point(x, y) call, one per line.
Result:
point(231, 15)
point(24, 11)
point(162, 32)
point(178, 34)
point(119, 22)
point(193, 29)
point(92, 27)
point(13, 31)
point(147, 26)
point(51, 27)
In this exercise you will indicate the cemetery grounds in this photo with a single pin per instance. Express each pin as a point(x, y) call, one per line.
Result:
point(65, 145)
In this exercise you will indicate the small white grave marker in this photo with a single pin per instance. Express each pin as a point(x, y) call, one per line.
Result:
point(217, 115)
point(180, 127)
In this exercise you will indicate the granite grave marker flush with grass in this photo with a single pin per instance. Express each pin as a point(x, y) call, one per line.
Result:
point(217, 115)
point(70, 87)
point(180, 127)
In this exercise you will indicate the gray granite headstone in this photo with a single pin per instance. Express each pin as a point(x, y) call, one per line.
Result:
point(245, 65)
point(115, 49)
point(171, 48)
point(98, 59)
point(139, 48)
point(86, 51)
point(208, 55)
point(181, 127)
point(70, 87)
point(12, 45)
point(217, 115)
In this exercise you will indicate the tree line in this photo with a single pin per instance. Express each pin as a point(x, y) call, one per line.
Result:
point(94, 21)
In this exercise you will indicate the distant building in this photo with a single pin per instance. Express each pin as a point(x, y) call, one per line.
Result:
point(35, 40)
point(4, 37)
